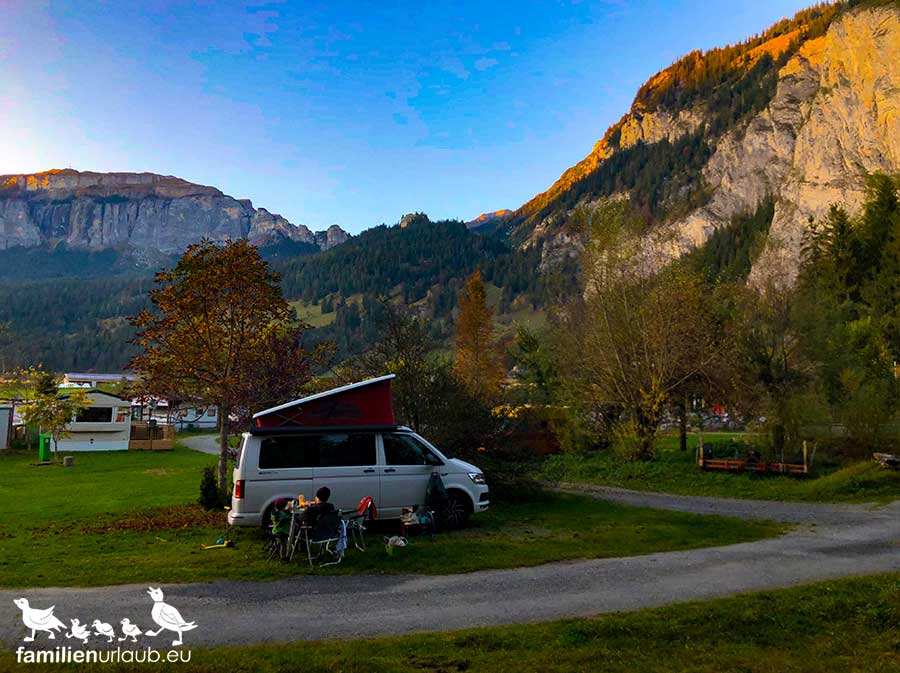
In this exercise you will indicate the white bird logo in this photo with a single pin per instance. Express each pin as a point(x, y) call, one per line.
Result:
point(167, 617)
point(79, 631)
point(129, 630)
point(104, 629)
point(38, 620)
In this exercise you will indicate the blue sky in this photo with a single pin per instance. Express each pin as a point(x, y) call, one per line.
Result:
point(340, 112)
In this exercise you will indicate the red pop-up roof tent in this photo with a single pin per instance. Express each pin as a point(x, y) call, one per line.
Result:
point(367, 403)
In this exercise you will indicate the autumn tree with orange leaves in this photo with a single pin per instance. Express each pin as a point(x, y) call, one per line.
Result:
point(477, 364)
point(222, 335)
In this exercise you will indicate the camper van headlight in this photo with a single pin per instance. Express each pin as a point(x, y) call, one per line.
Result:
point(477, 478)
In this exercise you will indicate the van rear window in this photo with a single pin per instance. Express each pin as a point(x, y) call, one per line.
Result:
point(308, 450)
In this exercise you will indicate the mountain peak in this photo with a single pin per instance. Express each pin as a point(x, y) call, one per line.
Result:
point(488, 218)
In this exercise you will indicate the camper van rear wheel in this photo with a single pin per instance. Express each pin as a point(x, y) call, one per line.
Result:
point(455, 512)
point(267, 517)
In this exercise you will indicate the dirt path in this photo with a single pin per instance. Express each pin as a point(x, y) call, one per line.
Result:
point(830, 541)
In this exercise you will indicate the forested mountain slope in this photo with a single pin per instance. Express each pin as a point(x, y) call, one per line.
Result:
point(799, 115)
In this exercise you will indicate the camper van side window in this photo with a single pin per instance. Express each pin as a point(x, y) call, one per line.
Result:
point(407, 450)
point(339, 450)
point(330, 450)
point(277, 453)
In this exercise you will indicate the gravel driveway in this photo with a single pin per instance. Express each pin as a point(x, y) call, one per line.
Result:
point(203, 443)
point(829, 541)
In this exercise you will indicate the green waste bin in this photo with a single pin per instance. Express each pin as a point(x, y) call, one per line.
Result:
point(44, 447)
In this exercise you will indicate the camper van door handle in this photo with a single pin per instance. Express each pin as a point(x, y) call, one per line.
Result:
point(369, 470)
point(390, 469)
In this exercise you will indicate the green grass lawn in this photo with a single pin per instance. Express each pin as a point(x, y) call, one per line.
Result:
point(124, 517)
point(845, 626)
point(676, 471)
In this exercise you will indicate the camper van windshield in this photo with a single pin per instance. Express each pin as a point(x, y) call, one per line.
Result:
point(309, 450)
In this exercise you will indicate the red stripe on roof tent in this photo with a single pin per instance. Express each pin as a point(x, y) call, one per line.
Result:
point(365, 403)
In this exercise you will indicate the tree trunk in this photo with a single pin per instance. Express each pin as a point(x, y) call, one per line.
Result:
point(223, 450)
point(646, 435)
point(682, 423)
point(778, 439)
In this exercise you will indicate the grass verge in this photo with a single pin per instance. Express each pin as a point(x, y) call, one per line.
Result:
point(675, 471)
point(843, 626)
point(127, 517)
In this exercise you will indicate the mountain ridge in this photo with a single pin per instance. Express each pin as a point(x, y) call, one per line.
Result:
point(95, 211)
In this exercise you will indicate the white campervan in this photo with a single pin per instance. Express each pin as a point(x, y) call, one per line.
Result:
point(390, 463)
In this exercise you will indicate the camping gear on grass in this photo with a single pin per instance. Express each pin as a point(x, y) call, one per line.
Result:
point(394, 541)
point(435, 492)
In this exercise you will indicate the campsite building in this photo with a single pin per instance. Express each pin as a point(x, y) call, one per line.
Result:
point(103, 425)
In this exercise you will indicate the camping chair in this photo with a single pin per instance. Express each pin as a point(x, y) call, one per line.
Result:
point(356, 522)
point(275, 546)
point(327, 538)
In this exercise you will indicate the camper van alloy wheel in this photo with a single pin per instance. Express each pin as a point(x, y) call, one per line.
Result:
point(455, 511)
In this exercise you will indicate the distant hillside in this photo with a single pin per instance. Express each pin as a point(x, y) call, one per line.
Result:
point(79, 322)
point(798, 115)
point(143, 214)
point(419, 263)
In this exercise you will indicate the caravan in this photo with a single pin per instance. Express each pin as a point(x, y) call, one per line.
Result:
point(346, 439)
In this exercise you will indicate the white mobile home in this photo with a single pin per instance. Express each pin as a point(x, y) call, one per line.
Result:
point(104, 425)
point(196, 418)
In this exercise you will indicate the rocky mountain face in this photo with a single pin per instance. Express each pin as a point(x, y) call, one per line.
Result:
point(136, 211)
point(831, 117)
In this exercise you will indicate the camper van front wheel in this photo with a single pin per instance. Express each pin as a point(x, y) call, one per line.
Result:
point(455, 512)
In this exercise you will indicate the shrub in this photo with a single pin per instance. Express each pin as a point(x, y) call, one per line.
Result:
point(626, 441)
point(210, 495)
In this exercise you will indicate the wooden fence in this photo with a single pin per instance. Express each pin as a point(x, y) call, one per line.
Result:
point(161, 437)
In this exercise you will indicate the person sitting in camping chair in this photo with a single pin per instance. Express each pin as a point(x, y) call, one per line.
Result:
point(325, 531)
point(281, 527)
point(318, 508)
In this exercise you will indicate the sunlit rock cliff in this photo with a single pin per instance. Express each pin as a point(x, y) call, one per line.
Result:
point(827, 115)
